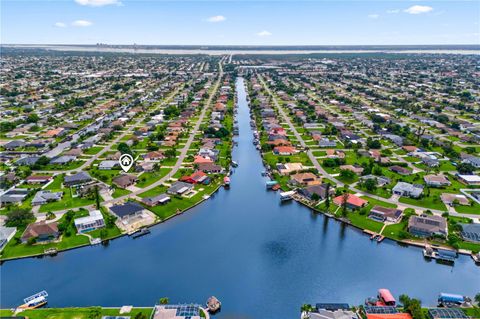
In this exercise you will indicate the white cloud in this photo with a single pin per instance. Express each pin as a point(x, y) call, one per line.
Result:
point(81, 23)
point(373, 16)
point(60, 25)
point(417, 9)
point(97, 3)
point(216, 19)
point(391, 11)
point(264, 33)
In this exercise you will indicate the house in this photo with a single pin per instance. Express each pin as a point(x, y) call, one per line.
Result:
point(179, 188)
point(319, 189)
point(41, 231)
point(304, 179)
point(77, 179)
point(384, 214)
point(27, 161)
point(6, 234)
point(62, 160)
point(127, 211)
point(14, 196)
point(471, 232)
point(357, 169)
point(473, 160)
point(154, 156)
point(452, 199)
point(399, 315)
point(400, 170)
point(427, 225)
point(284, 150)
point(125, 180)
point(408, 190)
point(209, 168)
point(155, 200)
point(436, 180)
point(196, 178)
point(105, 165)
point(287, 168)
point(332, 314)
point(202, 160)
point(91, 222)
point(44, 196)
point(381, 180)
point(38, 179)
point(353, 202)
point(469, 179)
point(10, 146)
point(325, 142)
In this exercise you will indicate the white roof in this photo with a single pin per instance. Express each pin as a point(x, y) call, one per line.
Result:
point(470, 178)
point(94, 215)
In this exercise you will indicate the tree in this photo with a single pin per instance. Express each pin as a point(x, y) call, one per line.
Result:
point(140, 316)
point(412, 306)
point(164, 301)
point(371, 184)
point(465, 168)
point(97, 197)
point(124, 148)
point(477, 298)
point(19, 218)
point(345, 197)
point(347, 174)
point(327, 196)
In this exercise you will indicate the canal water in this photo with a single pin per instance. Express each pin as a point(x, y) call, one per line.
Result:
point(261, 258)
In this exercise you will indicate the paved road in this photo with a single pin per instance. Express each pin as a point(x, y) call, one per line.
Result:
point(325, 174)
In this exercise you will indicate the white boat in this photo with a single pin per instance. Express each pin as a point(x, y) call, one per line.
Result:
point(284, 196)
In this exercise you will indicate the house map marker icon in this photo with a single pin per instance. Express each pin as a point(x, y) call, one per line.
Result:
point(126, 162)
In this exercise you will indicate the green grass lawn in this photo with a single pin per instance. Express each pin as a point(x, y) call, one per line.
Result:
point(149, 178)
point(93, 150)
point(431, 201)
point(56, 184)
point(471, 209)
point(119, 192)
point(78, 313)
point(66, 202)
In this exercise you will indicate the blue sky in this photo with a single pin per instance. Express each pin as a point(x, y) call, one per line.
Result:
point(240, 22)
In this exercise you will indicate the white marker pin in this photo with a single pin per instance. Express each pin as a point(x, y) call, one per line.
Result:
point(126, 161)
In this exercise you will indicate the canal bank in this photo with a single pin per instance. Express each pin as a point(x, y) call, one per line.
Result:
point(261, 258)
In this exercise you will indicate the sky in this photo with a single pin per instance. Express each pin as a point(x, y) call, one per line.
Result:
point(241, 22)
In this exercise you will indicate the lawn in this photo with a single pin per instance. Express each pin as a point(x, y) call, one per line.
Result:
point(93, 150)
point(80, 313)
point(119, 192)
point(149, 178)
point(66, 202)
point(471, 209)
point(432, 202)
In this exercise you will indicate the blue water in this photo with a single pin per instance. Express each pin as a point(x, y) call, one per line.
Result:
point(262, 259)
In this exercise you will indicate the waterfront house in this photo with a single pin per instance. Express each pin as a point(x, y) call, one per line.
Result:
point(44, 196)
point(6, 234)
point(353, 201)
point(196, 178)
point(127, 211)
point(446, 313)
point(427, 225)
point(384, 214)
point(471, 232)
point(304, 179)
point(41, 231)
point(436, 180)
point(91, 222)
point(408, 190)
point(332, 314)
point(155, 200)
point(209, 168)
point(78, 179)
point(399, 315)
point(179, 188)
point(287, 168)
point(319, 189)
